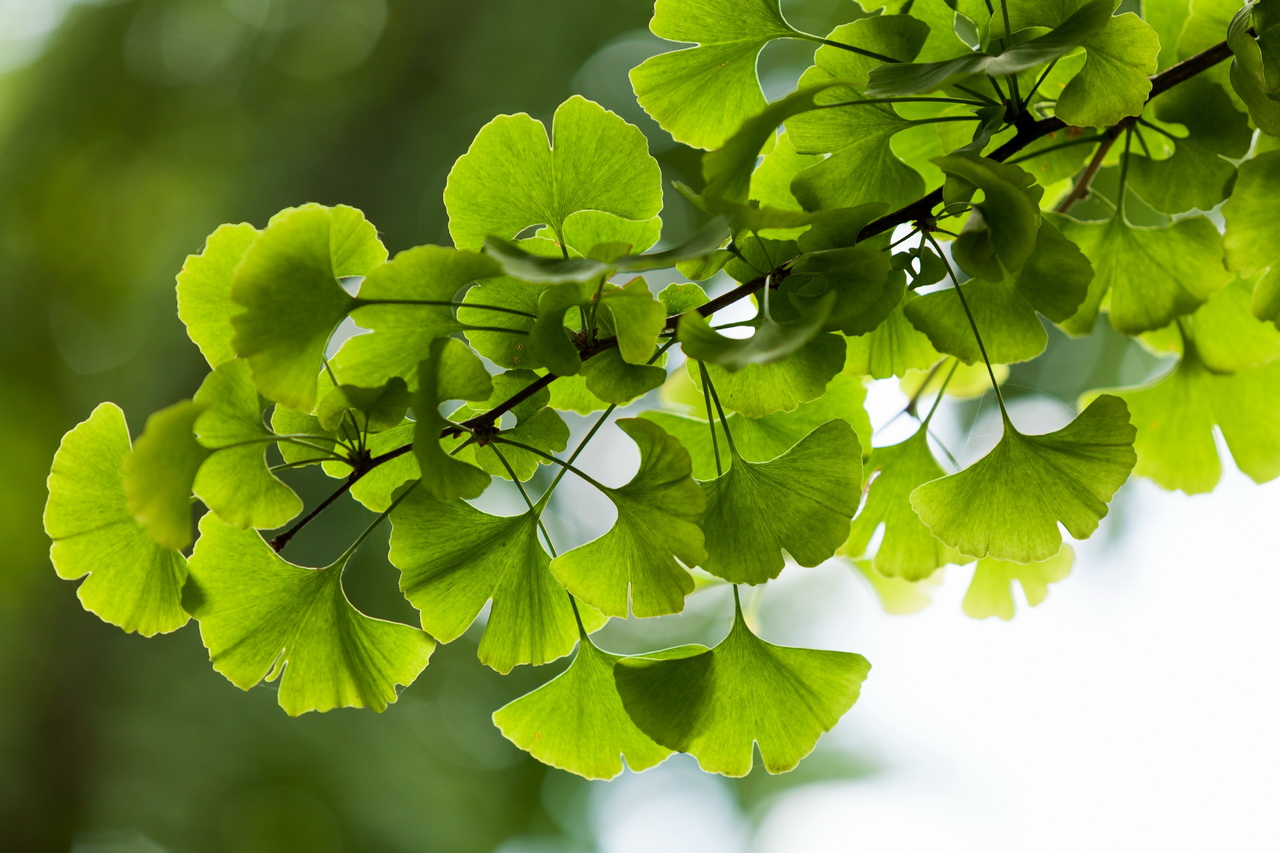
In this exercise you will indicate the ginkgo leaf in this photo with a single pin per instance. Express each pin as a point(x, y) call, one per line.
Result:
point(400, 333)
point(160, 471)
point(1198, 174)
point(234, 481)
point(862, 166)
point(990, 592)
point(780, 386)
point(204, 290)
point(450, 578)
point(376, 489)
point(858, 279)
point(657, 523)
point(133, 581)
point(450, 371)
point(1010, 329)
point(1010, 214)
point(508, 349)
point(771, 341)
point(700, 95)
point(608, 379)
point(908, 550)
point(1250, 239)
point(1151, 275)
point(891, 348)
point(576, 721)
point(1228, 337)
point(1176, 415)
point(717, 705)
point(1010, 502)
point(764, 438)
point(513, 177)
point(288, 285)
point(262, 618)
point(1119, 60)
point(913, 78)
point(1250, 77)
point(371, 409)
point(801, 502)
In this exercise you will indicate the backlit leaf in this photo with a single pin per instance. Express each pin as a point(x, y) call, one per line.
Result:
point(990, 592)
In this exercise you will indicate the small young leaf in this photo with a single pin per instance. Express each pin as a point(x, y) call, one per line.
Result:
point(576, 721)
point(536, 425)
point(892, 348)
point(772, 341)
point(657, 524)
point(133, 581)
point(716, 705)
point(1009, 503)
point(234, 481)
point(262, 618)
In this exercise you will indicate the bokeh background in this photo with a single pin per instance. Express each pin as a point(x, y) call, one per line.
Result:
point(129, 129)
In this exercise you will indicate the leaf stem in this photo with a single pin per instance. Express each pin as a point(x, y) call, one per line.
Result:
point(942, 390)
point(711, 420)
point(904, 100)
point(346, 555)
point(537, 513)
point(724, 421)
point(1080, 140)
point(973, 324)
point(552, 458)
point(445, 303)
point(870, 54)
point(500, 329)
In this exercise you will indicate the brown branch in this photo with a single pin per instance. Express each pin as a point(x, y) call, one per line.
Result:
point(917, 210)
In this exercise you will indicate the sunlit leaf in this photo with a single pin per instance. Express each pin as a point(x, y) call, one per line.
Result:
point(450, 371)
point(160, 472)
point(990, 592)
point(719, 705)
point(576, 721)
point(780, 386)
point(262, 618)
point(133, 581)
point(204, 290)
point(1008, 505)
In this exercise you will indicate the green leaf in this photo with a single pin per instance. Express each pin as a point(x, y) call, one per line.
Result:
point(372, 409)
point(610, 379)
point(1198, 175)
point(505, 349)
point(1001, 239)
point(1250, 215)
point(133, 582)
point(990, 592)
point(204, 290)
point(917, 78)
point(262, 618)
point(855, 278)
point(1227, 335)
point(764, 438)
point(1151, 275)
point(234, 481)
point(1251, 78)
point(288, 285)
point(1176, 415)
point(657, 524)
point(450, 371)
point(513, 177)
point(781, 386)
point(700, 95)
point(800, 502)
point(1009, 503)
point(908, 550)
point(717, 704)
point(450, 578)
point(576, 721)
point(771, 342)
point(897, 597)
point(160, 471)
point(376, 489)
point(892, 348)
point(1113, 83)
point(1010, 329)
point(399, 334)
point(632, 315)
